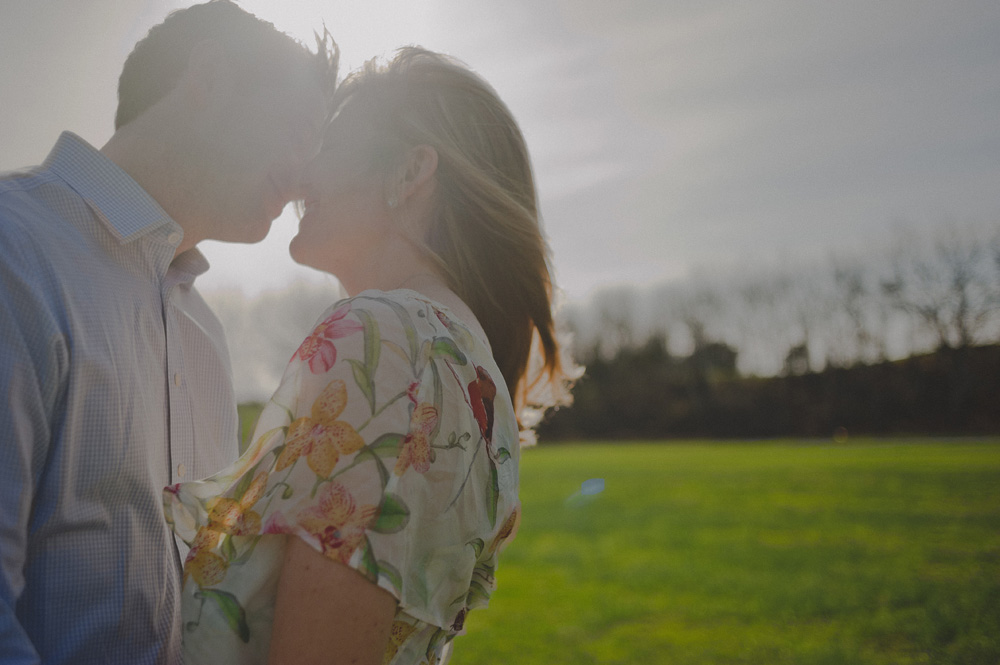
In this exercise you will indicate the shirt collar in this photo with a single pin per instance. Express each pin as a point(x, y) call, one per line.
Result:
point(127, 208)
point(187, 266)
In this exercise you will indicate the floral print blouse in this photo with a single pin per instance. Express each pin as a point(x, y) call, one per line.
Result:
point(391, 446)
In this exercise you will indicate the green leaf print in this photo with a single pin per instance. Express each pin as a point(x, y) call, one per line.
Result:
point(393, 514)
point(478, 596)
point(477, 545)
point(365, 454)
point(387, 445)
point(244, 484)
point(364, 382)
point(423, 357)
point(229, 548)
point(439, 636)
point(373, 343)
point(445, 347)
point(438, 402)
point(389, 572)
point(234, 613)
point(484, 572)
point(369, 568)
point(383, 473)
point(408, 327)
point(364, 372)
point(492, 495)
point(502, 455)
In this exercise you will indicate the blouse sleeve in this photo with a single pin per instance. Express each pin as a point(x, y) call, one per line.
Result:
point(374, 451)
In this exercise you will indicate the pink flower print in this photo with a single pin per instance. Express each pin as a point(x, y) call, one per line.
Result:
point(338, 522)
point(411, 392)
point(317, 349)
point(442, 318)
point(277, 523)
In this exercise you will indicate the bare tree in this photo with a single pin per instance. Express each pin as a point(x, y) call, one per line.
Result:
point(947, 286)
point(859, 302)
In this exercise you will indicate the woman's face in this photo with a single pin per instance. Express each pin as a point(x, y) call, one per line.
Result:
point(346, 216)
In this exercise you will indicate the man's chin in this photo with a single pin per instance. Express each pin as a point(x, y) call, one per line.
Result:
point(250, 234)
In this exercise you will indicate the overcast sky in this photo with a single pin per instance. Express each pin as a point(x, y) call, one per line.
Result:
point(668, 136)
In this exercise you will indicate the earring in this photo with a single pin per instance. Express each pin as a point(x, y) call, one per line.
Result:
point(392, 202)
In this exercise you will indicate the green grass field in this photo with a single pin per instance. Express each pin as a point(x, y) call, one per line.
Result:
point(771, 552)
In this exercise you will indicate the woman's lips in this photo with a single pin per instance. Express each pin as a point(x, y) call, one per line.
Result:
point(309, 205)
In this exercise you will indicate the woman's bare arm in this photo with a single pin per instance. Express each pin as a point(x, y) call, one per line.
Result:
point(328, 613)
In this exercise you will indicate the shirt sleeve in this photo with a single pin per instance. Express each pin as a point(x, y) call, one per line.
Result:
point(376, 451)
point(33, 363)
point(369, 453)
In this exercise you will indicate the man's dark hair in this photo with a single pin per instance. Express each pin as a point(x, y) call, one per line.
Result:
point(259, 51)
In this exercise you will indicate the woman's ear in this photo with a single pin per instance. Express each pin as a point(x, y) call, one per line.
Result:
point(418, 176)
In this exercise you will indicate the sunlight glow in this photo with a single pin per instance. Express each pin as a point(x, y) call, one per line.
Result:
point(363, 31)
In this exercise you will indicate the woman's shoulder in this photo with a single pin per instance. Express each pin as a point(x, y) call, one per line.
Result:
point(416, 317)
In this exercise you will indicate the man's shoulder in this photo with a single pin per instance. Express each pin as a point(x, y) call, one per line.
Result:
point(22, 217)
point(22, 182)
point(30, 226)
point(20, 197)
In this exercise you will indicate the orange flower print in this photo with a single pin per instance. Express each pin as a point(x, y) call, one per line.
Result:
point(415, 450)
point(506, 531)
point(225, 516)
point(320, 436)
point(202, 565)
point(234, 517)
point(337, 522)
point(400, 632)
point(482, 391)
point(318, 349)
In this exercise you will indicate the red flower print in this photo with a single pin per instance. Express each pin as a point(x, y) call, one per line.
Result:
point(482, 391)
point(459, 333)
point(442, 318)
point(318, 349)
point(415, 450)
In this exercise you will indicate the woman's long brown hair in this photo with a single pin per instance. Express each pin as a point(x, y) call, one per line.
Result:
point(486, 238)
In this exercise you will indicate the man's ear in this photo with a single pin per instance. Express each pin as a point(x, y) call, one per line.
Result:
point(418, 175)
point(209, 74)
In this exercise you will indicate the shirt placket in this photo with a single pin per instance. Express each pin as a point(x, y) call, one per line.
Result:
point(181, 421)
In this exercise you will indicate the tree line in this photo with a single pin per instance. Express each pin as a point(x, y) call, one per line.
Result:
point(901, 342)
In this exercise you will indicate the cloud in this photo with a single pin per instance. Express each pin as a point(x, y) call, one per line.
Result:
point(667, 135)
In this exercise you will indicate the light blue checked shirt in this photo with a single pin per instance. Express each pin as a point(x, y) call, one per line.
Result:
point(114, 382)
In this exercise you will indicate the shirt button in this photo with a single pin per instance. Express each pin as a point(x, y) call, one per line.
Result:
point(174, 238)
point(177, 379)
point(181, 470)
